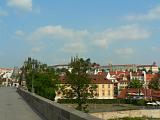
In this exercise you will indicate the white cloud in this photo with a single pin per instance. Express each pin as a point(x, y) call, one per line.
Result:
point(36, 49)
point(19, 33)
point(125, 32)
point(78, 41)
point(25, 5)
point(152, 14)
point(74, 48)
point(103, 43)
point(124, 51)
point(57, 32)
point(3, 13)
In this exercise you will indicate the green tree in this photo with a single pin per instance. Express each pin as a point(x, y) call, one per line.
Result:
point(41, 78)
point(78, 83)
point(135, 83)
point(154, 83)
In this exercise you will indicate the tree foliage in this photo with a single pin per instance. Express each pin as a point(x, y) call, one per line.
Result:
point(154, 83)
point(41, 78)
point(135, 83)
point(78, 83)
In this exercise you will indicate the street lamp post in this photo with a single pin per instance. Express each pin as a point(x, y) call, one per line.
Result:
point(33, 68)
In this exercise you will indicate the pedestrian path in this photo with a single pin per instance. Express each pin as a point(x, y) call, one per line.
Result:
point(13, 107)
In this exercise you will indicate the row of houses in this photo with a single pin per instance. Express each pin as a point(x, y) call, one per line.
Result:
point(6, 77)
point(113, 84)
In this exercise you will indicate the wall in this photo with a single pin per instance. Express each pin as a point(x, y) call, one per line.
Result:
point(52, 110)
point(132, 113)
point(105, 89)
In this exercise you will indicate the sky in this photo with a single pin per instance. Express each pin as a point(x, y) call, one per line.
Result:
point(106, 31)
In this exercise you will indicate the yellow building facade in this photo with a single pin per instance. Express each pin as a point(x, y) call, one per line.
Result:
point(105, 91)
point(105, 88)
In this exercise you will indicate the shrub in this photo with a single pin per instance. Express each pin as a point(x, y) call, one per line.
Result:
point(94, 101)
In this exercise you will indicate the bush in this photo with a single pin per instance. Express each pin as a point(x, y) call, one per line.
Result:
point(141, 102)
point(94, 101)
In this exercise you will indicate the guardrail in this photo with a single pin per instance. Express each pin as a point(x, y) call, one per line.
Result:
point(52, 110)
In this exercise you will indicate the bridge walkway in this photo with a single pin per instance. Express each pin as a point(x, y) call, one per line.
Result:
point(13, 107)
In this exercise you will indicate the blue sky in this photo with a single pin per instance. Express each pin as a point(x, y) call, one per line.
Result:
point(107, 31)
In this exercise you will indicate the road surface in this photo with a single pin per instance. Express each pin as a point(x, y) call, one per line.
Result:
point(13, 107)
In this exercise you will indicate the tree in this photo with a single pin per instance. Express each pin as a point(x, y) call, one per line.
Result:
point(78, 83)
point(154, 83)
point(41, 78)
point(137, 84)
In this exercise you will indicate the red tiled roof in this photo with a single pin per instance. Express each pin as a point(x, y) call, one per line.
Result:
point(6, 69)
point(149, 77)
point(137, 74)
point(95, 79)
point(100, 79)
point(147, 92)
point(119, 72)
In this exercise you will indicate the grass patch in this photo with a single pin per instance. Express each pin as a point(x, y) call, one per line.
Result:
point(135, 118)
point(95, 108)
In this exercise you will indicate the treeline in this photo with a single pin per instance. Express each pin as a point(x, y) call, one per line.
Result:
point(40, 78)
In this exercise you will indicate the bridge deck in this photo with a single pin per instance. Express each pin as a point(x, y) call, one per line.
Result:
point(13, 107)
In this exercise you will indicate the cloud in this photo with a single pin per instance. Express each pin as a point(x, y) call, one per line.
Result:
point(70, 40)
point(124, 51)
point(3, 13)
point(36, 49)
point(19, 33)
point(79, 41)
point(152, 14)
point(25, 5)
point(125, 32)
point(74, 48)
point(57, 32)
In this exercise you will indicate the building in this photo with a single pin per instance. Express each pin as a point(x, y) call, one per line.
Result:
point(130, 67)
point(60, 66)
point(148, 68)
point(9, 76)
point(149, 77)
point(125, 67)
point(105, 88)
point(5, 75)
point(148, 94)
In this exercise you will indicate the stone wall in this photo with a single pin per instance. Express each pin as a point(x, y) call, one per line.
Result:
point(155, 113)
point(52, 110)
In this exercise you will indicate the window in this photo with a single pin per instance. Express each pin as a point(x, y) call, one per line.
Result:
point(103, 86)
point(109, 93)
point(108, 85)
point(103, 93)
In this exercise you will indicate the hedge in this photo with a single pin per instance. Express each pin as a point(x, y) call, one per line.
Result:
point(93, 101)
point(105, 101)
